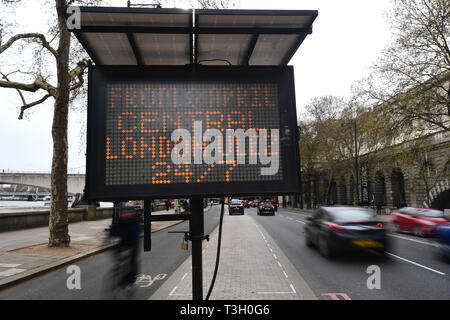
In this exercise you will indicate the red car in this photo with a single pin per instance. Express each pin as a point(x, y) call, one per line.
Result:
point(420, 221)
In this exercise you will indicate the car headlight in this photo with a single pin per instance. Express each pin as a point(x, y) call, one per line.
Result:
point(428, 223)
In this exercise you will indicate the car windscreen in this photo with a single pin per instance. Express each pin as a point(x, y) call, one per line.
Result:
point(236, 203)
point(430, 213)
point(346, 215)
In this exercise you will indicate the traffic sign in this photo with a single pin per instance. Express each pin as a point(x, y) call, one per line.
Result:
point(175, 132)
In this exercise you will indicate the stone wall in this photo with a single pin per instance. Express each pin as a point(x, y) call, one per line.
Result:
point(40, 218)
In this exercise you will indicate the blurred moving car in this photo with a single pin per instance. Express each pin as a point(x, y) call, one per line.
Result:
point(335, 229)
point(266, 208)
point(442, 234)
point(420, 221)
point(136, 204)
point(275, 203)
point(235, 207)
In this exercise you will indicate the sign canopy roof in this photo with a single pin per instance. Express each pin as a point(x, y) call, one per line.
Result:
point(143, 36)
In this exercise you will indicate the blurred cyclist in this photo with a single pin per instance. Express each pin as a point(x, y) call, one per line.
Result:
point(127, 228)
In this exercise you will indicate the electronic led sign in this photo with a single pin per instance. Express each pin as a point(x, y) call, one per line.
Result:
point(156, 132)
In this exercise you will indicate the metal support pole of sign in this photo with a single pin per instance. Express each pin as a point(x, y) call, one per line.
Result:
point(116, 205)
point(147, 225)
point(196, 226)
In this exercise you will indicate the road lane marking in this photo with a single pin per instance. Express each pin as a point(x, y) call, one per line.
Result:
point(334, 296)
point(11, 272)
point(173, 291)
point(414, 240)
point(9, 265)
point(281, 266)
point(287, 292)
point(293, 289)
point(301, 221)
point(147, 281)
point(417, 264)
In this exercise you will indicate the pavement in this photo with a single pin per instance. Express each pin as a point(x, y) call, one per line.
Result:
point(252, 267)
point(24, 254)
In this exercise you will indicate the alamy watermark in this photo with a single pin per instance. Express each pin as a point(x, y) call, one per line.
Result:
point(74, 19)
point(374, 280)
point(233, 151)
point(74, 280)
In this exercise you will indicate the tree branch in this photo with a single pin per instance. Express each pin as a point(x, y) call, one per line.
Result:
point(20, 92)
point(29, 105)
point(26, 105)
point(39, 83)
point(78, 73)
point(39, 36)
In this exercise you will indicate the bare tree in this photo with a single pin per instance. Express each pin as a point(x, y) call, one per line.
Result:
point(67, 80)
point(57, 72)
point(411, 80)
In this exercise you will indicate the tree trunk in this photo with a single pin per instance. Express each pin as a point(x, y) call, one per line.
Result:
point(59, 224)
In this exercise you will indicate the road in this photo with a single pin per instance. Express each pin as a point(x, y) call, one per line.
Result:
point(166, 256)
point(412, 270)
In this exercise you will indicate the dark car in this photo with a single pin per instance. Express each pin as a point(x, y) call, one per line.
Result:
point(420, 221)
point(235, 207)
point(443, 241)
point(275, 203)
point(266, 208)
point(337, 229)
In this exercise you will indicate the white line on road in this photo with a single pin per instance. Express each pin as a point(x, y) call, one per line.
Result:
point(280, 265)
point(417, 264)
point(172, 292)
point(414, 240)
point(11, 272)
point(293, 289)
point(9, 265)
point(301, 221)
point(290, 292)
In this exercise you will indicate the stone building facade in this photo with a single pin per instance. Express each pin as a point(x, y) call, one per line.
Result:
point(388, 183)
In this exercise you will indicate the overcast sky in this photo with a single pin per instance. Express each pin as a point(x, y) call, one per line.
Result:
point(347, 37)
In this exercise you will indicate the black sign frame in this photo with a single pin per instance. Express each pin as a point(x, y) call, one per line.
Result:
point(100, 76)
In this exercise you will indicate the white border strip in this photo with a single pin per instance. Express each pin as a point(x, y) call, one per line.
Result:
point(417, 264)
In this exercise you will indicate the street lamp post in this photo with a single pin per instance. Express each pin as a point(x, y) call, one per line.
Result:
point(356, 158)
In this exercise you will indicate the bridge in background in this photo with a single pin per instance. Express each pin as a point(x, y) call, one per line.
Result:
point(75, 182)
